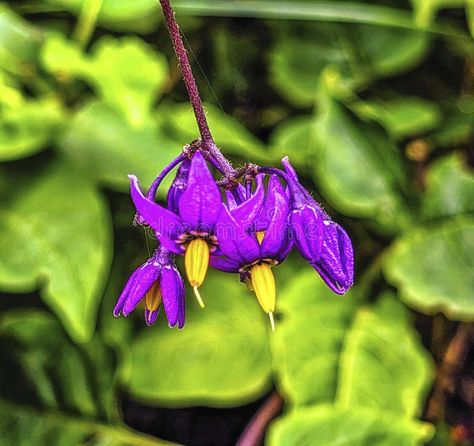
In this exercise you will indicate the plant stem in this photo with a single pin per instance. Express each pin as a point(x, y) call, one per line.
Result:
point(193, 92)
point(255, 430)
point(86, 22)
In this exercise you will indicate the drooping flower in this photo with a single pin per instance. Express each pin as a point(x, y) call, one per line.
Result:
point(190, 229)
point(253, 239)
point(158, 282)
point(321, 241)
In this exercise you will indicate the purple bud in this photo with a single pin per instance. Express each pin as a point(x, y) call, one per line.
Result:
point(336, 263)
point(323, 243)
point(178, 186)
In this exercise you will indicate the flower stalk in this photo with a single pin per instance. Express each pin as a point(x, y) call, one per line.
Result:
point(208, 143)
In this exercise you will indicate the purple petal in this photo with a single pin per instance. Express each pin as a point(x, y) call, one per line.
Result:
point(246, 212)
point(166, 224)
point(172, 289)
point(200, 204)
point(146, 276)
point(307, 231)
point(235, 243)
point(178, 186)
point(277, 207)
point(225, 264)
point(126, 290)
point(150, 317)
point(336, 264)
point(235, 197)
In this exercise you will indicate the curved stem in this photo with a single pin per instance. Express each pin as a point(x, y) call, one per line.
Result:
point(154, 187)
point(193, 92)
point(255, 430)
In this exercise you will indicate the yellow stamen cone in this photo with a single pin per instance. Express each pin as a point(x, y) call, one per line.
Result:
point(153, 299)
point(196, 262)
point(264, 285)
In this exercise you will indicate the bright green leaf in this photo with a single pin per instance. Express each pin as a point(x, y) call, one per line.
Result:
point(308, 341)
point(126, 72)
point(432, 267)
point(231, 136)
point(449, 188)
point(220, 358)
point(19, 42)
point(425, 10)
point(121, 15)
point(329, 426)
point(55, 235)
point(401, 116)
point(102, 142)
point(373, 372)
point(26, 125)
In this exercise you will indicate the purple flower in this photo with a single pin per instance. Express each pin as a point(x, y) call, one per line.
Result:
point(178, 186)
point(253, 237)
point(322, 242)
point(190, 229)
point(158, 282)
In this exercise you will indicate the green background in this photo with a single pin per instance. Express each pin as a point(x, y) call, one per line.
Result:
point(374, 104)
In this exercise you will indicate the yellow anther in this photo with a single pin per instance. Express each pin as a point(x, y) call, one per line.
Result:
point(264, 285)
point(260, 235)
point(196, 261)
point(153, 299)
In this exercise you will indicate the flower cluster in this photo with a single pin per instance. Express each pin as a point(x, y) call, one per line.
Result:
point(245, 227)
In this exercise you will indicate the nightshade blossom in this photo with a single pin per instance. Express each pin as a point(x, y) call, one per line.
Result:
point(252, 242)
point(190, 230)
point(322, 242)
point(158, 282)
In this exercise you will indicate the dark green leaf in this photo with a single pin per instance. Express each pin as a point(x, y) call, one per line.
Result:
point(357, 166)
point(449, 188)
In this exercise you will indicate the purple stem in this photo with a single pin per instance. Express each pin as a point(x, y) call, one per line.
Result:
point(193, 92)
point(154, 187)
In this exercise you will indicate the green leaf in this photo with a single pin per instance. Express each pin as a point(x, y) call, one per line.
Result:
point(426, 10)
point(120, 15)
point(103, 143)
point(373, 372)
point(449, 188)
point(19, 42)
point(23, 425)
point(432, 267)
point(26, 125)
point(55, 235)
point(126, 72)
point(303, 52)
point(402, 116)
point(329, 426)
point(308, 342)
point(220, 358)
point(470, 15)
point(54, 365)
point(228, 133)
point(293, 136)
point(357, 166)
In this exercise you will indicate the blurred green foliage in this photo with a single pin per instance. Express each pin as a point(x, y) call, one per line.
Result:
point(374, 104)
